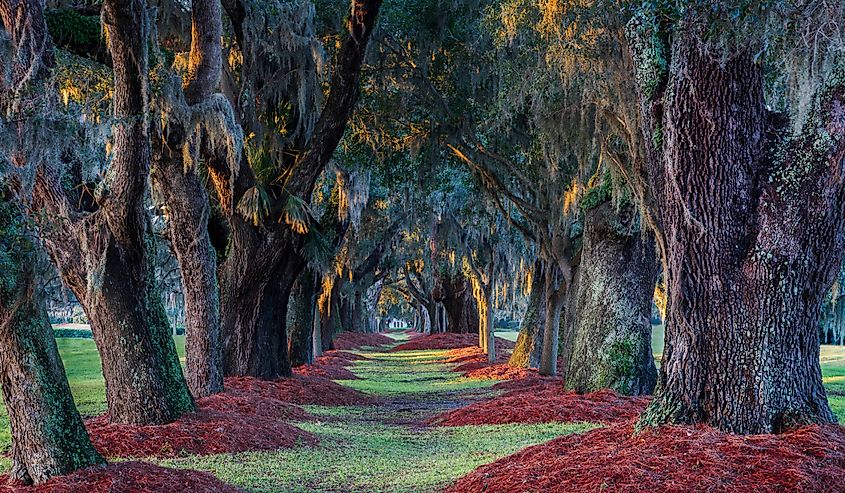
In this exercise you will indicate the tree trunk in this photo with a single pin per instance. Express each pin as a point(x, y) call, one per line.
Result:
point(555, 291)
point(183, 197)
point(750, 225)
point(460, 306)
point(833, 323)
point(301, 323)
point(48, 436)
point(316, 333)
point(256, 281)
point(106, 257)
point(330, 320)
point(529, 344)
point(486, 323)
point(612, 334)
point(359, 313)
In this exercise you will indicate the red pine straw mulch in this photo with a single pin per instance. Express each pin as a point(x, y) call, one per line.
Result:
point(331, 365)
point(544, 401)
point(251, 415)
point(476, 367)
point(204, 432)
point(499, 371)
point(449, 341)
point(356, 340)
point(302, 390)
point(670, 459)
point(245, 403)
point(127, 477)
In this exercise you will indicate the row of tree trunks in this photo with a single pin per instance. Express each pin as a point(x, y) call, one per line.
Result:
point(748, 217)
point(611, 336)
point(48, 436)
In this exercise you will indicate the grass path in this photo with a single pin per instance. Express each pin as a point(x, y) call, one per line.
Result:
point(384, 448)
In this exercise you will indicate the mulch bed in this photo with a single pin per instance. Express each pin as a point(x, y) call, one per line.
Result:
point(544, 401)
point(356, 340)
point(250, 415)
point(670, 459)
point(302, 390)
point(499, 371)
point(127, 477)
point(235, 401)
point(331, 365)
point(474, 365)
point(204, 432)
point(449, 341)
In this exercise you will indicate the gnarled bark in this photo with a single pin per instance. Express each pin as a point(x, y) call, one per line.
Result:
point(611, 346)
point(48, 436)
point(749, 223)
point(104, 252)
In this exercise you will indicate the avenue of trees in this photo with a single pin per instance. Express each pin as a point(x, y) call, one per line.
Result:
point(308, 167)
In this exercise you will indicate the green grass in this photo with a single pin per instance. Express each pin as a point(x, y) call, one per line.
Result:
point(356, 456)
point(384, 448)
point(414, 374)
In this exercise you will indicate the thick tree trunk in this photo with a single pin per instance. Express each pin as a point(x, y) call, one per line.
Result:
point(301, 311)
point(461, 308)
point(185, 201)
point(265, 258)
point(107, 257)
point(256, 281)
point(188, 209)
point(48, 436)
point(611, 345)
point(752, 239)
point(529, 344)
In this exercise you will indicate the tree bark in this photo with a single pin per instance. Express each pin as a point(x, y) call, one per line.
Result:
point(185, 201)
point(462, 315)
point(611, 345)
point(48, 436)
point(300, 319)
point(316, 333)
point(529, 344)
point(106, 256)
point(749, 223)
point(256, 282)
point(555, 290)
